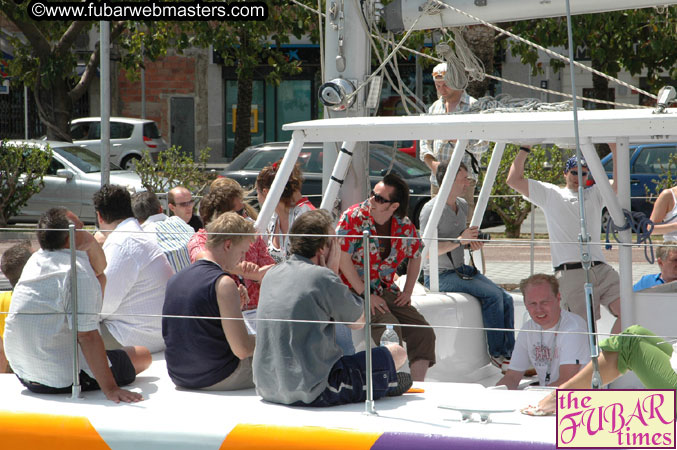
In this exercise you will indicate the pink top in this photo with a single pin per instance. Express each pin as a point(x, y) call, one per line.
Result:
point(257, 254)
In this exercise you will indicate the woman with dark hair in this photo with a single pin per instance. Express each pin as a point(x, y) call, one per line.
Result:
point(227, 196)
point(291, 205)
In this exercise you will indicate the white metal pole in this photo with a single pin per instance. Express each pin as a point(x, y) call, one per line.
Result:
point(338, 175)
point(430, 245)
point(369, 402)
point(280, 181)
point(489, 178)
point(625, 236)
point(25, 112)
point(75, 391)
point(104, 58)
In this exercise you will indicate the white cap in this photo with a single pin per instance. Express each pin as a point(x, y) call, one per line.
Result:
point(440, 70)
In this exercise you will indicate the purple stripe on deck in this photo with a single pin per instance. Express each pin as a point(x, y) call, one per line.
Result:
point(407, 441)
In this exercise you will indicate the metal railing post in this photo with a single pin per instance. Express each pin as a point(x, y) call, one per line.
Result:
point(533, 236)
point(75, 393)
point(369, 403)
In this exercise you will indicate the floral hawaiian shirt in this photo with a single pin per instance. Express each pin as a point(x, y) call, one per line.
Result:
point(353, 222)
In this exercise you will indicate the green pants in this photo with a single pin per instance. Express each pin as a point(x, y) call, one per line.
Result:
point(643, 355)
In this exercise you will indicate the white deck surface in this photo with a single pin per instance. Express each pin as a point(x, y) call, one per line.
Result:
point(172, 418)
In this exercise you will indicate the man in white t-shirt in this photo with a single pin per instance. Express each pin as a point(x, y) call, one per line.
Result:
point(562, 216)
point(550, 341)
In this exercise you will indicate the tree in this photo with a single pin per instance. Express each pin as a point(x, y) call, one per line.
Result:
point(44, 59)
point(543, 164)
point(248, 44)
point(633, 40)
point(174, 168)
point(481, 39)
point(21, 171)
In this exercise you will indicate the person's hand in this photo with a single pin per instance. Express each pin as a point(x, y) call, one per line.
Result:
point(118, 395)
point(469, 238)
point(334, 254)
point(83, 239)
point(245, 267)
point(403, 299)
point(378, 305)
point(244, 295)
point(548, 404)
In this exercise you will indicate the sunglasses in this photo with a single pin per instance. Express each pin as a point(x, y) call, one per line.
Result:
point(379, 199)
point(575, 173)
point(190, 202)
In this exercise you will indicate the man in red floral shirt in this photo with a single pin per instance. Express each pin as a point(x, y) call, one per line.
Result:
point(393, 238)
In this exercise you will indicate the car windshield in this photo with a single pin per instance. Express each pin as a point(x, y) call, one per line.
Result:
point(83, 159)
point(310, 160)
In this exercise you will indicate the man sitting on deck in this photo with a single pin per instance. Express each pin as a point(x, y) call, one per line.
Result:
point(556, 356)
point(666, 257)
point(137, 274)
point(300, 363)
point(393, 238)
point(205, 353)
point(39, 336)
point(456, 276)
point(13, 261)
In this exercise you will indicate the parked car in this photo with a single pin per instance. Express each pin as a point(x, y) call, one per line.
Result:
point(246, 167)
point(129, 138)
point(74, 175)
point(646, 165)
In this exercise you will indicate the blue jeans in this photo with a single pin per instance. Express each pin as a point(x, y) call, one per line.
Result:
point(344, 339)
point(497, 307)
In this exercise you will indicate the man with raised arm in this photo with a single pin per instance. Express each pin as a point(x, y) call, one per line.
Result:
point(393, 239)
point(562, 215)
point(552, 340)
point(39, 338)
point(298, 362)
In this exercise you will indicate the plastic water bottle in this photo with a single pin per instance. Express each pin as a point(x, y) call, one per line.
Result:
point(389, 336)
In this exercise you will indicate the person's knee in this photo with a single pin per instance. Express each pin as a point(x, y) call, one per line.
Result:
point(398, 353)
point(140, 357)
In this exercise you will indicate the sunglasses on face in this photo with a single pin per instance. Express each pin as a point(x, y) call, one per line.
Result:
point(190, 202)
point(379, 199)
point(575, 173)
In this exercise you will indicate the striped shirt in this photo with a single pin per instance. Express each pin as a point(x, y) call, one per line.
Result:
point(172, 235)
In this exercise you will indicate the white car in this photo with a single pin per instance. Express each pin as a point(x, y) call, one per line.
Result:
point(129, 138)
point(74, 175)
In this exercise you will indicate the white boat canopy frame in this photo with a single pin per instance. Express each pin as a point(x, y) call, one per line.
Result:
point(623, 126)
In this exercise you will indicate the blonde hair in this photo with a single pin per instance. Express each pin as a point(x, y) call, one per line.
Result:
point(663, 251)
point(540, 278)
point(229, 226)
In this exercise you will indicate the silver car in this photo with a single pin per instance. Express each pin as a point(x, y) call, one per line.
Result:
point(129, 138)
point(74, 175)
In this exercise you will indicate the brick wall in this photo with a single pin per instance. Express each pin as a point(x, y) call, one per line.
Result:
point(174, 75)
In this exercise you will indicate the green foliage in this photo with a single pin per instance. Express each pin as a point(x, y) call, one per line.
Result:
point(633, 40)
point(543, 164)
point(665, 180)
point(174, 168)
point(21, 171)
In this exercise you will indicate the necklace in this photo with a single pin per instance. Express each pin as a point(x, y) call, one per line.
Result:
point(551, 351)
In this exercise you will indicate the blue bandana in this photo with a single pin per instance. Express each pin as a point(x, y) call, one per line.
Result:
point(572, 163)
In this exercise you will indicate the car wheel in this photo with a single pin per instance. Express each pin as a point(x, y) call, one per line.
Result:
point(129, 162)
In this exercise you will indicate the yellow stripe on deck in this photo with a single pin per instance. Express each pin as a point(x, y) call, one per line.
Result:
point(297, 438)
point(33, 431)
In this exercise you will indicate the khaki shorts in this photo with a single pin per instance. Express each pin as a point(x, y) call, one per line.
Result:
point(241, 378)
point(605, 288)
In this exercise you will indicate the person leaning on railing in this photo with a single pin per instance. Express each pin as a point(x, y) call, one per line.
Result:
point(665, 210)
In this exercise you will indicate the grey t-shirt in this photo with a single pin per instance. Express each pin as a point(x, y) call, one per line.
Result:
point(292, 360)
point(451, 225)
